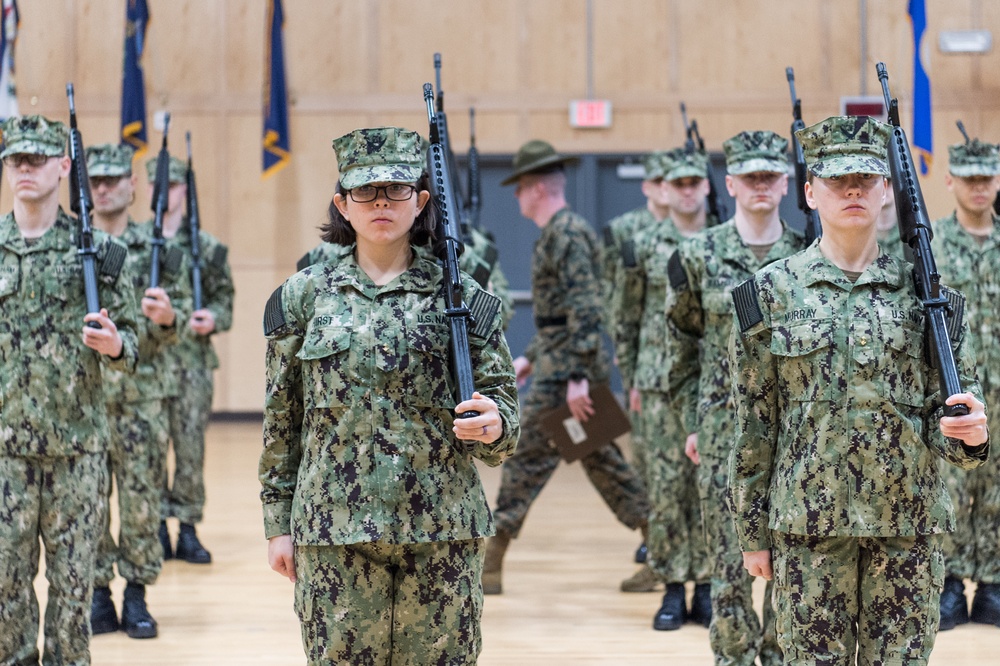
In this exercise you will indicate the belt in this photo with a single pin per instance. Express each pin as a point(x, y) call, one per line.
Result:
point(542, 322)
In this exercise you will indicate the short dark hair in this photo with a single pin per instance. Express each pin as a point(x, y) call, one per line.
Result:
point(338, 230)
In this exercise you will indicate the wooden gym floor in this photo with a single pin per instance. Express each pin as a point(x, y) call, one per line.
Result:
point(561, 603)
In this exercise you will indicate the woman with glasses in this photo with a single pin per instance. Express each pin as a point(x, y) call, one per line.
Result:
point(372, 503)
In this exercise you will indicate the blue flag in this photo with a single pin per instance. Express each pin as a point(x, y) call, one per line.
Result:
point(277, 150)
point(923, 133)
point(8, 37)
point(133, 88)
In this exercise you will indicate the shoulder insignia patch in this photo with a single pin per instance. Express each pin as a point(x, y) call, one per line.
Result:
point(305, 261)
point(113, 257)
point(747, 305)
point(484, 308)
point(628, 254)
point(481, 275)
point(675, 273)
point(172, 260)
point(219, 256)
point(490, 256)
point(609, 236)
point(956, 311)
point(274, 312)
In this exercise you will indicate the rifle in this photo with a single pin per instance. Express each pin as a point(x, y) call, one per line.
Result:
point(441, 120)
point(915, 230)
point(161, 188)
point(813, 228)
point(194, 219)
point(474, 205)
point(961, 128)
point(81, 202)
point(447, 247)
point(716, 208)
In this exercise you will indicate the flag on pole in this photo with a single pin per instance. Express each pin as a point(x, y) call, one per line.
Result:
point(922, 137)
point(276, 146)
point(8, 36)
point(133, 87)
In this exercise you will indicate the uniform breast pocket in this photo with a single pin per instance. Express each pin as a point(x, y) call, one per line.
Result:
point(427, 367)
point(8, 281)
point(325, 356)
point(902, 364)
point(804, 355)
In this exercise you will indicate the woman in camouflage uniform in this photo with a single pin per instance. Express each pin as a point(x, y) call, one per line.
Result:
point(372, 503)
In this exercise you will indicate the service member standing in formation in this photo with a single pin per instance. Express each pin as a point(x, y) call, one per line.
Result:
point(967, 251)
point(372, 503)
point(677, 547)
point(619, 253)
point(193, 360)
point(702, 274)
point(835, 476)
point(53, 422)
point(137, 403)
point(565, 356)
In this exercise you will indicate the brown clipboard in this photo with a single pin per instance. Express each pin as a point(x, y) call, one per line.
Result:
point(575, 439)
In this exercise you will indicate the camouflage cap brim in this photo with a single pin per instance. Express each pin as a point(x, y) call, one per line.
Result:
point(105, 169)
point(29, 147)
point(684, 171)
point(841, 165)
point(969, 170)
point(757, 165)
point(381, 173)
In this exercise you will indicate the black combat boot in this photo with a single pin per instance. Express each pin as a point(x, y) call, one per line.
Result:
point(189, 548)
point(701, 604)
point(986, 604)
point(168, 551)
point(136, 620)
point(103, 616)
point(671, 614)
point(954, 607)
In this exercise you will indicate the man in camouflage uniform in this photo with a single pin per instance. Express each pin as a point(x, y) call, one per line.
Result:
point(835, 478)
point(565, 356)
point(372, 501)
point(702, 274)
point(137, 403)
point(677, 546)
point(53, 425)
point(619, 252)
point(967, 252)
point(194, 360)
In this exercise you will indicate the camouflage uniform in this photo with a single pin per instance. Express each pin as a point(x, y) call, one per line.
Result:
point(973, 550)
point(360, 465)
point(676, 545)
point(480, 260)
point(193, 359)
point(53, 427)
point(567, 344)
point(702, 273)
point(834, 467)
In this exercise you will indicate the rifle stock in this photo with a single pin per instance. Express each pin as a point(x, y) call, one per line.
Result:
point(194, 220)
point(813, 228)
point(81, 203)
point(161, 189)
point(448, 247)
point(915, 230)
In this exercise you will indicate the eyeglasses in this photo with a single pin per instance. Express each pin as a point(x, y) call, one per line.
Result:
point(34, 160)
point(393, 192)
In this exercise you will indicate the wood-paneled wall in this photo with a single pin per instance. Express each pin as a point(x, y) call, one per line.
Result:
point(354, 63)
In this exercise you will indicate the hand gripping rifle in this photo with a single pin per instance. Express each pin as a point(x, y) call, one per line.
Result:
point(161, 189)
point(447, 248)
point(194, 219)
point(915, 230)
point(813, 228)
point(81, 202)
point(716, 208)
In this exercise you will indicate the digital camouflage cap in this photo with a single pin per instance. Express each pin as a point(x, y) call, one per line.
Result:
point(177, 171)
point(685, 164)
point(33, 135)
point(380, 155)
point(109, 159)
point(841, 145)
point(655, 164)
point(759, 150)
point(974, 158)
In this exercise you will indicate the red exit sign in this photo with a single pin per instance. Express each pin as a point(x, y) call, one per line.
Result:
point(590, 113)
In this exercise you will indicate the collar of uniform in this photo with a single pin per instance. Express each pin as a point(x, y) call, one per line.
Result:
point(423, 275)
point(885, 270)
point(951, 231)
point(133, 235)
point(60, 236)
